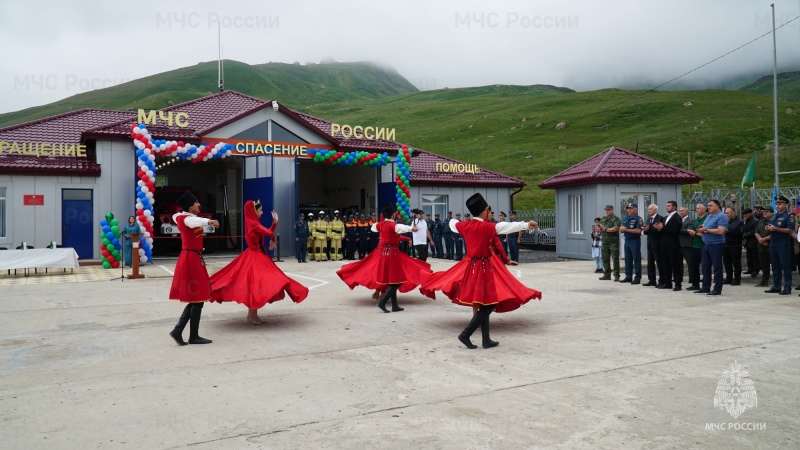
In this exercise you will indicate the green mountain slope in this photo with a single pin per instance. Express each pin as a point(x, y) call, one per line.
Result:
point(512, 130)
point(788, 86)
point(292, 84)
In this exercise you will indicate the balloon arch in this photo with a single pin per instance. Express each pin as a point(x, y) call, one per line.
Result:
point(148, 149)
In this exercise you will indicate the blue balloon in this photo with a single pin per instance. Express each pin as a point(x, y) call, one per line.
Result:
point(115, 241)
point(109, 235)
point(104, 223)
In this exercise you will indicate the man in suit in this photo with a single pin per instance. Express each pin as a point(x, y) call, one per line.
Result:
point(447, 234)
point(654, 260)
point(686, 241)
point(750, 242)
point(670, 231)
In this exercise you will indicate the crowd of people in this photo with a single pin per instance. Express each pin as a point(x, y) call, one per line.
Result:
point(711, 246)
point(479, 280)
point(326, 238)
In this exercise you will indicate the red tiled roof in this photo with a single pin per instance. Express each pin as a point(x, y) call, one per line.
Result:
point(206, 114)
point(617, 165)
point(342, 143)
point(423, 172)
point(64, 128)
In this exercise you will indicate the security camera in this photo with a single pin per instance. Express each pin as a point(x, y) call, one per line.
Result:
point(274, 106)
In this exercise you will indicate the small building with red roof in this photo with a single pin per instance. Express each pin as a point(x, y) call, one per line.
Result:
point(79, 165)
point(614, 177)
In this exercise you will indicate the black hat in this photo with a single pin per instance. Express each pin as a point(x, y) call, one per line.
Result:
point(759, 207)
point(502, 213)
point(770, 209)
point(476, 204)
point(388, 210)
point(781, 199)
point(302, 215)
point(513, 213)
point(747, 211)
point(186, 200)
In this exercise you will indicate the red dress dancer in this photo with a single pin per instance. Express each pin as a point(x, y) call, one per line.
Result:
point(387, 267)
point(252, 279)
point(481, 279)
point(190, 282)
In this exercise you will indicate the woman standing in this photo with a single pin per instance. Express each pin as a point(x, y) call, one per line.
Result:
point(252, 279)
point(130, 229)
point(481, 280)
point(387, 267)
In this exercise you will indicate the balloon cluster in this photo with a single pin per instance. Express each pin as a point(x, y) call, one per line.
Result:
point(147, 149)
point(109, 241)
point(402, 178)
point(359, 158)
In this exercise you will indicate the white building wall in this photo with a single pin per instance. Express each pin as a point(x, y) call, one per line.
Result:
point(596, 197)
point(499, 198)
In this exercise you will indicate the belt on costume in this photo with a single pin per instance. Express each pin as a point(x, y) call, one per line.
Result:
point(199, 253)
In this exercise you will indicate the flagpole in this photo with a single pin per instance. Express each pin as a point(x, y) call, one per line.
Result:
point(775, 95)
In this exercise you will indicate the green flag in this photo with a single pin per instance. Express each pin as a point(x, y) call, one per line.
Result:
point(750, 173)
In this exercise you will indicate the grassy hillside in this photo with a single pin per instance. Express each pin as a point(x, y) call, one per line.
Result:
point(294, 85)
point(788, 86)
point(511, 129)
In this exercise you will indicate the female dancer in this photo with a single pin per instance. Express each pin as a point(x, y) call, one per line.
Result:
point(131, 228)
point(481, 280)
point(387, 267)
point(252, 279)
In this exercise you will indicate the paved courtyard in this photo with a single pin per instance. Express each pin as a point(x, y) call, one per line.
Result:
point(88, 363)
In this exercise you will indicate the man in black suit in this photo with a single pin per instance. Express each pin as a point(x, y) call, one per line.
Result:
point(654, 259)
point(670, 231)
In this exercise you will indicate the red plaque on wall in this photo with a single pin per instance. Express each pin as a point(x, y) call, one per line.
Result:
point(33, 200)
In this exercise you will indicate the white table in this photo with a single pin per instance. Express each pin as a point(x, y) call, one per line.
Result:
point(57, 258)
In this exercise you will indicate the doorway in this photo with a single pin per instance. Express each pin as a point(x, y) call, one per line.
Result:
point(76, 221)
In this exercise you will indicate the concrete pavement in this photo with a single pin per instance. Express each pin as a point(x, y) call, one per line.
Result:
point(595, 364)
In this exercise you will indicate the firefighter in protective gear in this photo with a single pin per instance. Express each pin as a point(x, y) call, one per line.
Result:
point(351, 237)
point(310, 241)
point(336, 233)
point(363, 237)
point(320, 237)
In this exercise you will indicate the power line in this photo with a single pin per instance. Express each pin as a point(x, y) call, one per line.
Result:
point(687, 73)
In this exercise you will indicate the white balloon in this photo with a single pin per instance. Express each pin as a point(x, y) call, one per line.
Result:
point(149, 213)
point(150, 173)
point(152, 157)
point(142, 258)
point(149, 195)
point(145, 189)
point(151, 219)
point(139, 205)
point(140, 183)
point(141, 252)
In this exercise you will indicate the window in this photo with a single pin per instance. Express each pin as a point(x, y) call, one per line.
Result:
point(435, 204)
point(2, 211)
point(576, 214)
point(257, 167)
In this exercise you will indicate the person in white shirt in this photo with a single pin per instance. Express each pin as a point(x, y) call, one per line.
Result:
point(422, 237)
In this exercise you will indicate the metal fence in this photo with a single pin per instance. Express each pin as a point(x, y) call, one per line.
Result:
point(546, 233)
point(738, 200)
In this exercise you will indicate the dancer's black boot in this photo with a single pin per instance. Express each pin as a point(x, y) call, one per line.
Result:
point(473, 325)
point(177, 332)
point(487, 342)
point(383, 300)
point(395, 307)
point(194, 325)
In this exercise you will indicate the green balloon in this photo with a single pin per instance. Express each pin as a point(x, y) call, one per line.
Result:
point(105, 241)
point(114, 223)
point(109, 215)
point(115, 253)
point(106, 265)
point(110, 247)
point(115, 229)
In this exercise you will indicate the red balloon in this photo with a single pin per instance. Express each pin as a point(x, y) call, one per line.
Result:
point(110, 258)
point(115, 264)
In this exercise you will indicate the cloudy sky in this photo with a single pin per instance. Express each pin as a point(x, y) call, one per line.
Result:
point(55, 49)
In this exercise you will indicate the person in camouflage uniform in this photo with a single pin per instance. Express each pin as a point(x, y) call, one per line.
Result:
point(609, 225)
